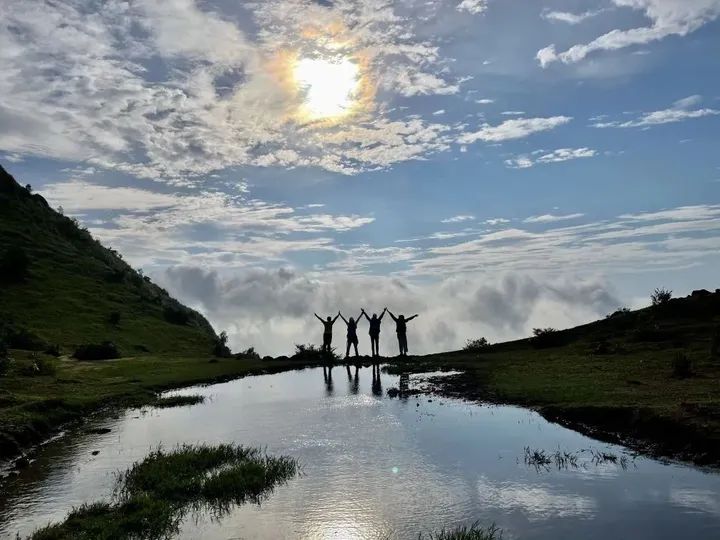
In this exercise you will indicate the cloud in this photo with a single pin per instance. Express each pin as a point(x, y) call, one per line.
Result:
point(516, 128)
point(272, 309)
point(473, 6)
point(484, 101)
point(668, 18)
point(569, 18)
point(556, 156)
point(186, 88)
point(459, 218)
point(550, 218)
point(679, 112)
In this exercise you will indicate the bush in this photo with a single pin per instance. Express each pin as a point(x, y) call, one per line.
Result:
point(681, 366)
point(546, 337)
point(660, 296)
point(114, 318)
point(476, 345)
point(176, 315)
point(14, 265)
point(618, 313)
point(311, 353)
point(106, 350)
point(248, 354)
point(53, 350)
point(220, 347)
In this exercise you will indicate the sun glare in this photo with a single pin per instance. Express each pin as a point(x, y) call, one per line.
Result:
point(329, 87)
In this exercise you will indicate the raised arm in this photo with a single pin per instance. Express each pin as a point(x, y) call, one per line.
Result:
point(382, 314)
point(394, 318)
point(343, 318)
point(411, 318)
point(318, 318)
point(336, 317)
point(362, 313)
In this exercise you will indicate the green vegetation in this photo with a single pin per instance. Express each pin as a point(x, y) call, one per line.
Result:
point(177, 401)
point(155, 494)
point(472, 532)
point(476, 345)
point(61, 286)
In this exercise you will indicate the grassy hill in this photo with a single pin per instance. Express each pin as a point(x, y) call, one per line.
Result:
point(59, 286)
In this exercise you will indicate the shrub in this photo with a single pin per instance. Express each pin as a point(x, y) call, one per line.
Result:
point(176, 315)
point(619, 313)
point(681, 366)
point(53, 350)
point(220, 347)
point(248, 354)
point(114, 318)
point(546, 337)
point(311, 353)
point(660, 296)
point(106, 350)
point(14, 265)
point(476, 345)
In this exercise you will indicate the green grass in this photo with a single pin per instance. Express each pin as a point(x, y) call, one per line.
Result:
point(472, 532)
point(155, 494)
point(177, 401)
point(75, 287)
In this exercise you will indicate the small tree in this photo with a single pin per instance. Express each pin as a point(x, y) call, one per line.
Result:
point(660, 296)
point(28, 188)
point(220, 348)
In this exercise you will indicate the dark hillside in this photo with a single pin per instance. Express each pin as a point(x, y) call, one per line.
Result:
point(59, 286)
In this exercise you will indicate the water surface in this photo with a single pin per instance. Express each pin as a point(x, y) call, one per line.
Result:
point(376, 467)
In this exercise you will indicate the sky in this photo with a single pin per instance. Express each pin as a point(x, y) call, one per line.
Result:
point(492, 165)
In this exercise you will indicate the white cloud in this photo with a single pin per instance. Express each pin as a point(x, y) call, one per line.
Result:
point(459, 218)
point(473, 6)
point(668, 17)
point(550, 218)
point(516, 128)
point(484, 101)
point(556, 156)
point(677, 113)
point(512, 113)
point(570, 18)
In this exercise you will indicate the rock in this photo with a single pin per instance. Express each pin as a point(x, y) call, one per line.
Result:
point(701, 293)
point(95, 452)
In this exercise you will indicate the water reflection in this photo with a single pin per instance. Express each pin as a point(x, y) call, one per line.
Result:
point(376, 467)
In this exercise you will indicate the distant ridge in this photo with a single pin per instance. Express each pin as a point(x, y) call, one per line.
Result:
point(62, 287)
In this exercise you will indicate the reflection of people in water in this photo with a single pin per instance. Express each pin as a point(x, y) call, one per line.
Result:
point(376, 382)
point(375, 323)
point(401, 330)
point(327, 375)
point(353, 383)
point(403, 385)
point(352, 338)
point(327, 331)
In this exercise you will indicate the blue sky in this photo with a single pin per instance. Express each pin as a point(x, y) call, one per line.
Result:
point(494, 165)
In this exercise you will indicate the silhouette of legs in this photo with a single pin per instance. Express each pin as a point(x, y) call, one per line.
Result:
point(402, 344)
point(375, 345)
point(327, 342)
point(354, 342)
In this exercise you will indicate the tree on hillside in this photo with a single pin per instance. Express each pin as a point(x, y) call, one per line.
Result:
point(660, 296)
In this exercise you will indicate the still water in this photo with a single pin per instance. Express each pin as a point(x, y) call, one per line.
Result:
point(376, 467)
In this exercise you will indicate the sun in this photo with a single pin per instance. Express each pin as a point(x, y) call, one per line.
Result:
point(329, 87)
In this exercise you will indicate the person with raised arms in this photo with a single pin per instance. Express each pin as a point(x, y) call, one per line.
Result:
point(374, 332)
point(327, 332)
point(401, 330)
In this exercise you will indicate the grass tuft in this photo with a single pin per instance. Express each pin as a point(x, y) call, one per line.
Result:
point(177, 401)
point(471, 532)
point(153, 496)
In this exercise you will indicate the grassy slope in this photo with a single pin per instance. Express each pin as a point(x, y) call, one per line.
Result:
point(75, 283)
point(629, 394)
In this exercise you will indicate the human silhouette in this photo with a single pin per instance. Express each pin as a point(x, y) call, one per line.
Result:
point(327, 332)
point(352, 338)
point(401, 330)
point(375, 323)
point(353, 383)
point(327, 375)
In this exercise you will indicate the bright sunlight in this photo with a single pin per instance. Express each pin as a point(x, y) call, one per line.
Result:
point(329, 87)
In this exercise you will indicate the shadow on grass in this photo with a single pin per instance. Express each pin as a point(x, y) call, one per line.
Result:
point(152, 497)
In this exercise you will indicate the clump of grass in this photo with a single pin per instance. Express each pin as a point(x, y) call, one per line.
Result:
point(311, 353)
point(177, 401)
point(537, 458)
point(565, 460)
point(152, 497)
point(660, 296)
point(681, 366)
point(471, 532)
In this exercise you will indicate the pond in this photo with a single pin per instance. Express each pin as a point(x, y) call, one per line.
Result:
point(380, 467)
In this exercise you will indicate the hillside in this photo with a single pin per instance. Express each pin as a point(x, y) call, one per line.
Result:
point(59, 286)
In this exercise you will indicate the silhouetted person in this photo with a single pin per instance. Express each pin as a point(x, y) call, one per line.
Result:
point(352, 338)
point(327, 332)
point(401, 329)
point(353, 383)
point(375, 323)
